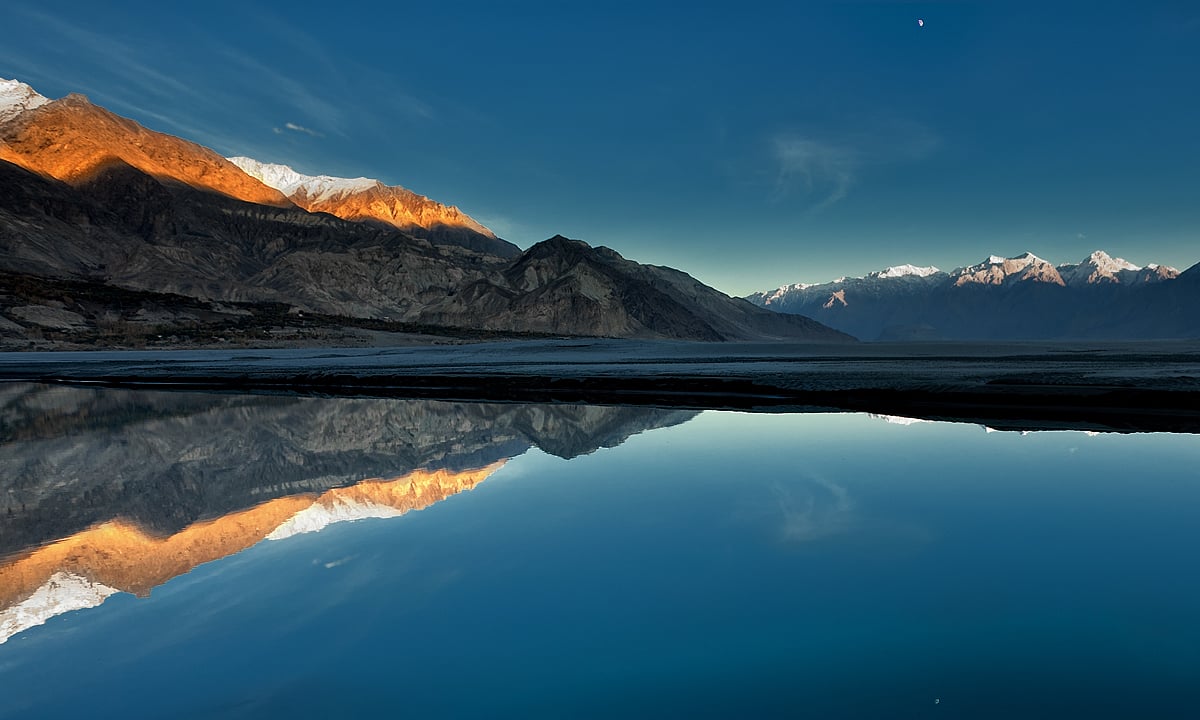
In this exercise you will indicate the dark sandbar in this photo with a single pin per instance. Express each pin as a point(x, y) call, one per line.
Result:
point(1143, 387)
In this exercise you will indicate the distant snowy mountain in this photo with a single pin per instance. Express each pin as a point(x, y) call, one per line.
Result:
point(1018, 298)
point(904, 271)
point(1099, 267)
point(997, 270)
point(368, 200)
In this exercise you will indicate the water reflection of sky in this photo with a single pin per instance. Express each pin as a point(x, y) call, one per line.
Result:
point(735, 565)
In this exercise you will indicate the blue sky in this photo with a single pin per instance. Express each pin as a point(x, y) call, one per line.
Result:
point(750, 144)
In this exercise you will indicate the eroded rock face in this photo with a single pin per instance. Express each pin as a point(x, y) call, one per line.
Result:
point(566, 286)
point(126, 229)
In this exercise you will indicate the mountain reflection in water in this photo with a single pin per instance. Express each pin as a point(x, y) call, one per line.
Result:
point(739, 565)
point(106, 491)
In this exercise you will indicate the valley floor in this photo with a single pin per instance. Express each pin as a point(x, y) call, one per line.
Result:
point(1111, 387)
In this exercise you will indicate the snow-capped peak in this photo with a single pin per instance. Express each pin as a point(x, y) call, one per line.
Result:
point(16, 97)
point(904, 271)
point(996, 270)
point(782, 291)
point(1104, 261)
point(1100, 267)
point(316, 188)
point(1002, 264)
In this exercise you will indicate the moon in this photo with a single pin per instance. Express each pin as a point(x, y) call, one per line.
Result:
point(920, 22)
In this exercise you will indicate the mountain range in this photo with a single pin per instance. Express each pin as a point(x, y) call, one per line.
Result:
point(112, 234)
point(1018, 298)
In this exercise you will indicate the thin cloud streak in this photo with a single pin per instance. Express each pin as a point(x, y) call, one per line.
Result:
point(823, 170)
point(287, 90)
point(301, 129)
point(339, 71)
point(826, 169)
point(118, 58)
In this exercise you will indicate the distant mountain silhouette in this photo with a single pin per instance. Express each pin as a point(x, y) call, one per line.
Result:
point(1021, 298)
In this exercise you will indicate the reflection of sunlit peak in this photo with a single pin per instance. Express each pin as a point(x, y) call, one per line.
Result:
point(380, 499)
point(63, 592)
point(83, 570)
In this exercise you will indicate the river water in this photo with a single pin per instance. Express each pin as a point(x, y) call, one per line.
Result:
point(191, 555)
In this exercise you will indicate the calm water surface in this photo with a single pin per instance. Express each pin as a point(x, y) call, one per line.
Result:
point(175, 555)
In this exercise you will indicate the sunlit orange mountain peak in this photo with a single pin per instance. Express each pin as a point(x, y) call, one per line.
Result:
point(367, 200)
point(117, 556)
point(73, 140)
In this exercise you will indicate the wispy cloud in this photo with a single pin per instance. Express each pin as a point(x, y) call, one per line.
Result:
point(822, 170)
point(813, 509)
point(122, 60)
point(189, 86)
point(286, 90)
point(139, 85)
point(339, 70)
point(297, 128)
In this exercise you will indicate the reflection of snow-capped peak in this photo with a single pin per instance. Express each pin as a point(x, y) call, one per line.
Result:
point(897, 419)
point(320, 515)
point(16, 97)
point(62, 593)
